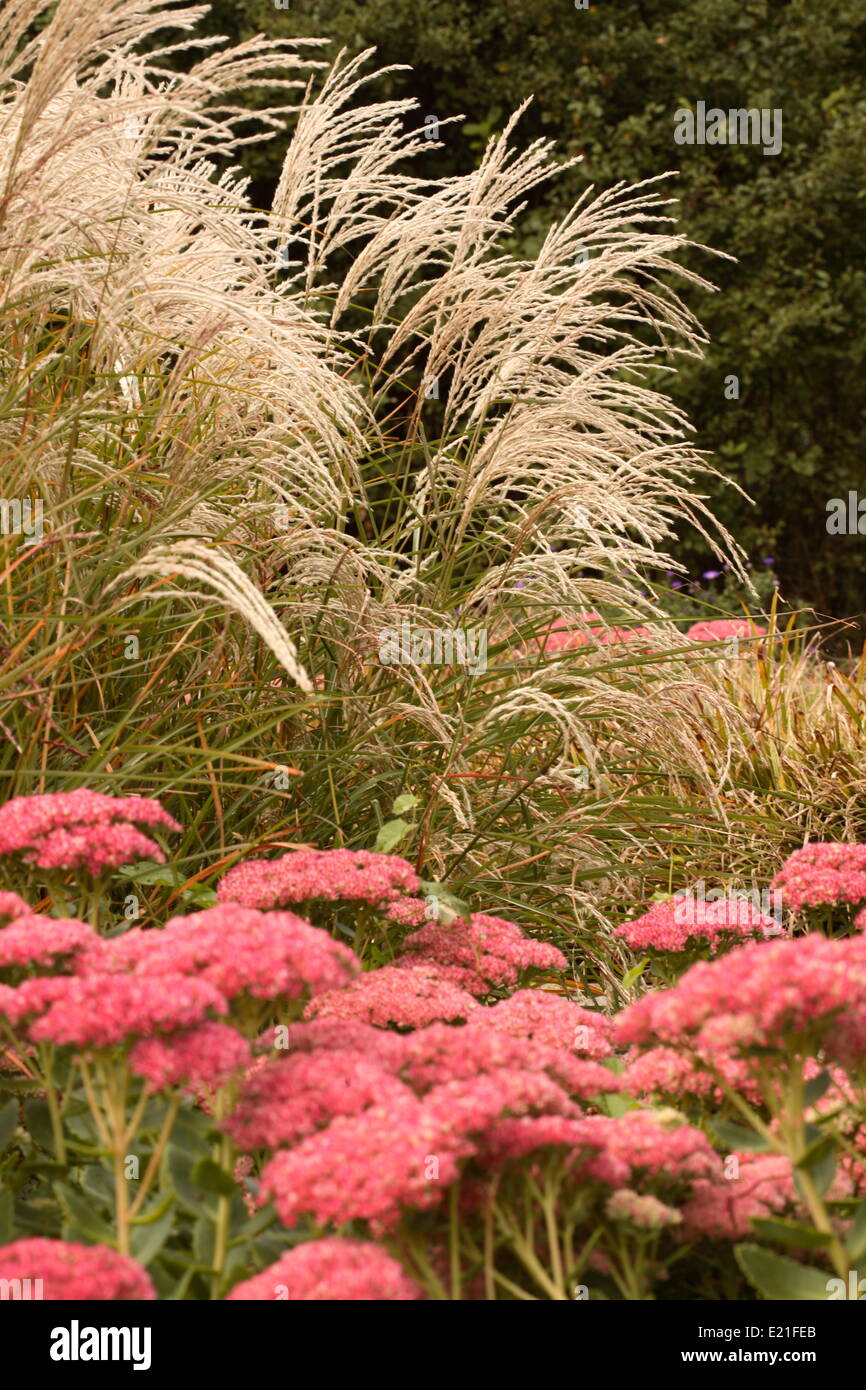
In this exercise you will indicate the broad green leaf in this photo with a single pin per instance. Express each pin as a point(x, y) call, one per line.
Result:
point(406, 802)
point(83, 1216)
point(390, 835)
point(208, 1175)
point(148, 1240)
point(779, 1278)
point(792, 1233)
point(815, 1088)
point(738, 1137)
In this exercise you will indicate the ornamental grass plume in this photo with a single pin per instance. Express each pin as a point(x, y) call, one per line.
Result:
point(409, 996)
point(823, 875)
point(333, 1270)
point(310, 875)
point(82, 830)
point(71, 1273)
point(480, 953)
point(680, 923)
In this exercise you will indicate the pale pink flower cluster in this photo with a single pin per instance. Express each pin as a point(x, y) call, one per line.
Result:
point(642, 1210)
point(81, 830)
point(273, 955)
point(790, 995)
point(306, 875)
point(75, 1273)
point(333, 1270)
point(206, 1055)
point(823, 875)
point(719, 629)
point(405, 996)
point(480, 953)
point(677, 922)
point(97, 1010)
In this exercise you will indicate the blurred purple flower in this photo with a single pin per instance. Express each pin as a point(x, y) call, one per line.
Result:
point(711, 574)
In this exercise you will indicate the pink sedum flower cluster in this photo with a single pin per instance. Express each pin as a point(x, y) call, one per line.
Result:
point(402, 996)
point(720, 629)
point(36, 941)
point(305, 875)
point(96, 1010)
point(366, 1167)
point(792, 995)
point(281, 1102)
point(823, 875)
point(206, 1055)
point(82, 830)
point(238, 951)
point(481, 953)
point(679, 922)
point(331, 1270)
point(73, 1273)
point(11, 906)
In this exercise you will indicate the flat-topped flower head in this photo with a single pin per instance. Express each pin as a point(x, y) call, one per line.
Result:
point(281, 1102)
point(67, 1272)
point(82, 830)
point(366, 1167)
point(311, 875)
point(405, 997)
point(338, 1035)
point(653, 1144)
point(441, 1053)
point(33, 941)
point(481, 952)
point(333, 1270)
point(721, 629)
point(790, 995)
point(681, 922)
point(97, 1010)
point(471, 1105)
point(206, 1055)
point(823, 875)
point(548, 1018)
point(239, 951)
